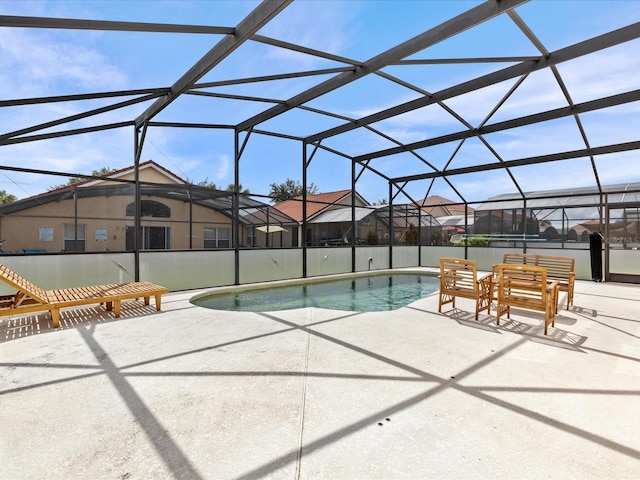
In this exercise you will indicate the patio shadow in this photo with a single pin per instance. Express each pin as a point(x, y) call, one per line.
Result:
point(21, 326)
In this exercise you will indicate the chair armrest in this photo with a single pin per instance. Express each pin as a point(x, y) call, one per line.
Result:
point(484, 277)
point(485, 283)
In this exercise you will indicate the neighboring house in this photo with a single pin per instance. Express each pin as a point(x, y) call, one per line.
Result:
point(454, 227)
point(438, 206)
point(407, 217)
point(455, 224)
point(451, 218)
point(99, 215)
point(329, 218)
point(264, 226)
point(548, 232)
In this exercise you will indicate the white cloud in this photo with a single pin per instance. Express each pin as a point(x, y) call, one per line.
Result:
point(37, 64)
point(223, 163)
point(604, 73)
point(76, 154)
point(308, 23)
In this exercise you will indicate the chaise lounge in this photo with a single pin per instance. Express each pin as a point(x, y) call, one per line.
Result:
point(31, 298)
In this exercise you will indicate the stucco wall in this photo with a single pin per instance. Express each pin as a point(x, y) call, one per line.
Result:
point(105, 224)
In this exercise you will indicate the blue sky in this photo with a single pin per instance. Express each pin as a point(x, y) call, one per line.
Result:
point(37, 63)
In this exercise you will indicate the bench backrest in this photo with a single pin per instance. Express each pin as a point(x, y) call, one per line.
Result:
point(458, 273)
point(525, 283)
point(557, 267)
point(519, 258)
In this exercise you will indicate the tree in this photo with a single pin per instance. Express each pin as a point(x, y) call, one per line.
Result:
point(206, 183)
point(289, 189)
point(411, 235)
point(232, 188)
point(6, 197)
point(437, 238)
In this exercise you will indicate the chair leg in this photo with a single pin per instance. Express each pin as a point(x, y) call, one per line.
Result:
point(446, 298)
point(55, 317)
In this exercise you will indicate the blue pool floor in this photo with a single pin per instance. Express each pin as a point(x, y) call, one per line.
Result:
point(372, 293)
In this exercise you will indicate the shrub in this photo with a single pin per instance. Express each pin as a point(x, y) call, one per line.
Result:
point(437, 238)
point(478, 242)
point(411, 235)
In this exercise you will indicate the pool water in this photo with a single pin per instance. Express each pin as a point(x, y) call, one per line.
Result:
point(373, 293)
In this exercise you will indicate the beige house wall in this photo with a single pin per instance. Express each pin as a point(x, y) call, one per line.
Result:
point(146, 175)
point(22, 230)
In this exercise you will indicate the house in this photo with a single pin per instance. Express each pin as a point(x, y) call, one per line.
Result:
point(99, 214)
point(329, 218)
point(438, 206)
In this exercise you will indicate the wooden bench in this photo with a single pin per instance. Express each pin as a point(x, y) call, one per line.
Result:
point(527, 287)
point(459, 278)
point(519, 258)
point(561, 269)
point(31, 298)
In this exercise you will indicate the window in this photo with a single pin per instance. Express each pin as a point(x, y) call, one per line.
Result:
point(149, 208)
point(46, 234)
point(153, 238)
point(74, 239)
point(251, 239)
point(216, 238)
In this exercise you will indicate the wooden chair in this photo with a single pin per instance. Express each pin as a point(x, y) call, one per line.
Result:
point(31, 298)
point(527, 287)
point(459, 278)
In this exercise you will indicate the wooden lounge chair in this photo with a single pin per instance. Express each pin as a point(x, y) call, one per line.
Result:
point(31, 298)
point(527, 287)
point(459, 278)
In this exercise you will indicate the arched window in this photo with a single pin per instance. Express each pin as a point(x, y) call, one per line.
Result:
point(149, 208)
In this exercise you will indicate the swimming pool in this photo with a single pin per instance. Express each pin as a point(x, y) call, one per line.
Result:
point(370, 293)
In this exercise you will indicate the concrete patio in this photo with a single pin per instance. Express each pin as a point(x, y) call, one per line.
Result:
point(190, 393)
